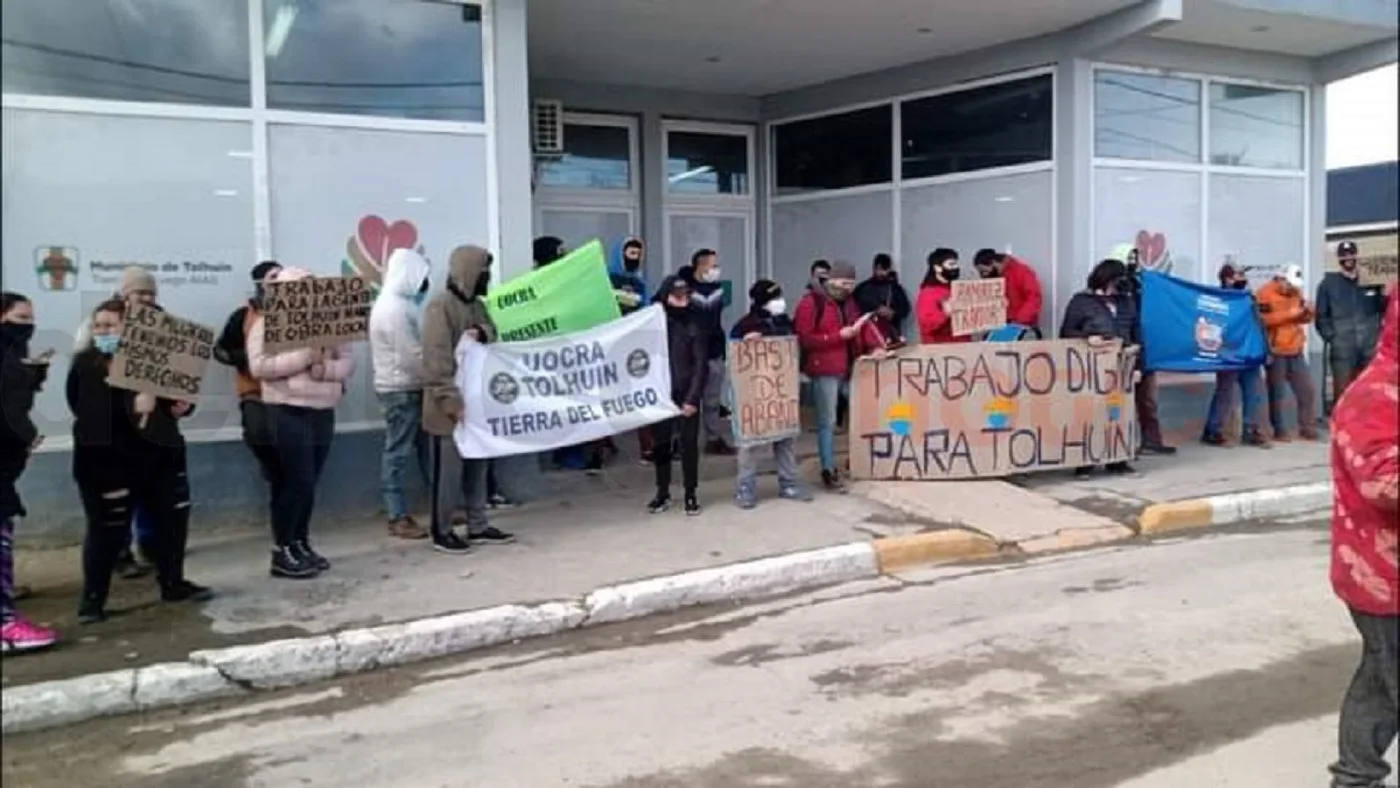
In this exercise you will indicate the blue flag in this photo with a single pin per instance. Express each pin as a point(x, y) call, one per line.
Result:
point(1188, 327)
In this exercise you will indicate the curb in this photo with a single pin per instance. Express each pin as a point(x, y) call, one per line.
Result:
point(1233, 508)
point(240, 670)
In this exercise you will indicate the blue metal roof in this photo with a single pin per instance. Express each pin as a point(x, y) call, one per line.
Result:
point(1363, 195)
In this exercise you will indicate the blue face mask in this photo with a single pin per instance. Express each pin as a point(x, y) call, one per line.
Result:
point(106, 344)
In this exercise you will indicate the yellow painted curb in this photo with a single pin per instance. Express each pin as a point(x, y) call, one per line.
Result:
point(899, 552)
point(1175, 516)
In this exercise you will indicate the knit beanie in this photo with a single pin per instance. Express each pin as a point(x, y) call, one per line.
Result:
point(842, 270)
point(137, 279)
point(763, 291)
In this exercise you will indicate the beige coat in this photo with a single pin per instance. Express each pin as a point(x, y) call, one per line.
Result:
point(448, 316)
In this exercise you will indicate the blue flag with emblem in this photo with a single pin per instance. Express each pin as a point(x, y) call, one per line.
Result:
point(1187, 327)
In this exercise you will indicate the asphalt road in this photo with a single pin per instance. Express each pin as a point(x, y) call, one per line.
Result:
point(1215, 661)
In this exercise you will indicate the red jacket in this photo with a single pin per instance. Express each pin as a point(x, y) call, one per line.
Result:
point(1365, 471)
point(935, 324)
point(1023, 295)
point(819, 319)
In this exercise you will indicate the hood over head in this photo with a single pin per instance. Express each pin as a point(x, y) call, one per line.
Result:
point(405, 272)
point(465, 267)
point(547, 249)
point(617, 263)
point(136, 279)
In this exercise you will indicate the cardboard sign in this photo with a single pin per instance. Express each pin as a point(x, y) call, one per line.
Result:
point(1377, 270)
point(315, 312)
point(977, 305)
point(161, 354)
point(764, 388)
point(989, 409)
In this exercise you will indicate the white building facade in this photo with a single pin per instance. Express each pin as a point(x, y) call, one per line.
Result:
point(197, 138)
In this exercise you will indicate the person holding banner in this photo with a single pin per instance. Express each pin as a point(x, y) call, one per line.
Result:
point(935, 322)
point(767, 317)
point(688, 351)
point(301, 388)
point(1247, 381)
point(1286, 314)
point(1096, 314)
point(883, 295)
point(456, 312)
point(127, 452)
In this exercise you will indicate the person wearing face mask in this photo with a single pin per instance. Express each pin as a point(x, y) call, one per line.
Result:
point(127, 453)
point(1097, 314)
point(1024, 295)
point(883, 296)
point(1348, 318)
point(20, 379)
point(1249, 383)
point(458, 310)
point(1286, 315)
point(396, 345)
point(300, 389)
point(767, 317)
point(627, 270)
point(707, 294)
point(231, 350)
point(688, 352)
point(931, 307)
point(832, 333)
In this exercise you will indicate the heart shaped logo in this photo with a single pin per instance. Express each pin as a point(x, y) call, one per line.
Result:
point(1152, 250)
point(375, 239)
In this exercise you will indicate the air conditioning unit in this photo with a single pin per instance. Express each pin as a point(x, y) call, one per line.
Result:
point(547, 126)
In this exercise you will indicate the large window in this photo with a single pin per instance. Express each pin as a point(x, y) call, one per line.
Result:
point(1151, 118)
point(993, 126)
point(834, 151)
point(176, 51)
point(707, 163)
point(398, 58)
point(595, 157)
point(1256, 126)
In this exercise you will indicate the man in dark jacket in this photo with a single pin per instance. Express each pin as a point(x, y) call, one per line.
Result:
point(1098, 314)
point(767, 317)
point(1348, 318)
point(885, 297)
point(707, 295)
point(688, 348)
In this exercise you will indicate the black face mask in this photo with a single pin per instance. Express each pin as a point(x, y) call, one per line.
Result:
point(950, 274)
point(1240, 285)
point(17, 336)
point(483, 282)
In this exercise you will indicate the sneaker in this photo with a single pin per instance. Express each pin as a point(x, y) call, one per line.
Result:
point(831, 480)
point(291, 564)
point(1256, 438)
point(1119, 468)
point(407, 528)
point(90, 611)
point(491, 535)
point(1312, 436)
point(692, 506)
point(1083, 472)
point(744, 498)
point(499, 501)
point(451, 543)
point(1159, 449)
point(303, 548)
point(795, 492)
point(659, 504)
point(19, 634)
point(719, 448)
point(1282, 436)
point(185, 591)
point(1214, 439)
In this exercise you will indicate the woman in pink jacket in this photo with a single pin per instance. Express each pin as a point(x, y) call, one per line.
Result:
point(300, 389)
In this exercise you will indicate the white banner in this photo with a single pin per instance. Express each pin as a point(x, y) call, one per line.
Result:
point(545, 394)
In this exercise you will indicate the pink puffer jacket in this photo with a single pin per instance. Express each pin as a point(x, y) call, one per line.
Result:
point(286, 377)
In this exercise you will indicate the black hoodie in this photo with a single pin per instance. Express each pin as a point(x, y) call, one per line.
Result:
point(108, 445)
point(19, 381)
point(688, 345)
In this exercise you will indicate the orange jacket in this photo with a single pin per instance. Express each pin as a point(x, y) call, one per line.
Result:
point(1285, 316)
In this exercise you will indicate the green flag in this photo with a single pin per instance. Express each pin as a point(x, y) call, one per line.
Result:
point(571, 294)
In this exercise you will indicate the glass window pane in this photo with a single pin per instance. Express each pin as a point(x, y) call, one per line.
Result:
point(1256, 127)
point(392, 58)
point(1259, 221)
point(707, 163)
point(595, 157)
point(994, 126)
point(177, 51)
point(1156, 212)
point(834, 151)
point(1140, 116)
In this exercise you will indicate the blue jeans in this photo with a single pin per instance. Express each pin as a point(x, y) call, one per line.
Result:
point(827, 391)
point(143, 531)
point(403, 437)
point(1250, 384)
